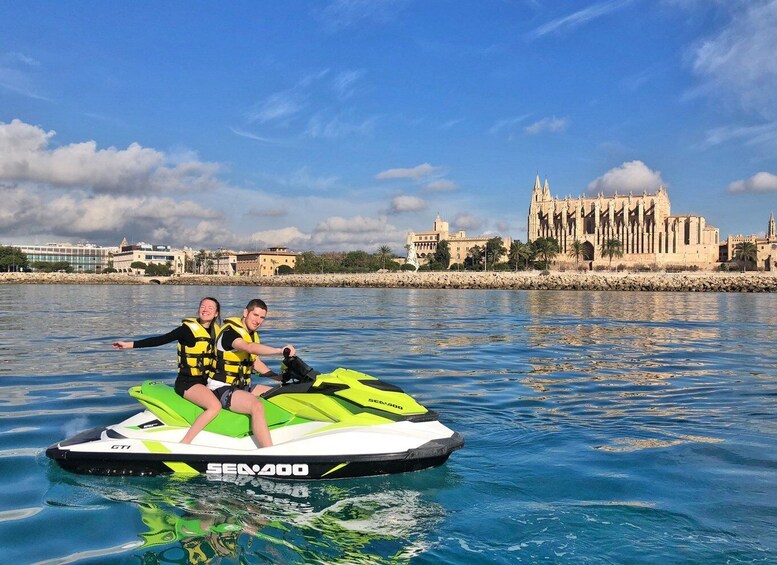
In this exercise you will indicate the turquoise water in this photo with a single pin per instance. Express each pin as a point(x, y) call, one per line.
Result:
point(600, 427)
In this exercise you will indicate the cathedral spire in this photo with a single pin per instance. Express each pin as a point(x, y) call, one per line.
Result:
point(771, 232)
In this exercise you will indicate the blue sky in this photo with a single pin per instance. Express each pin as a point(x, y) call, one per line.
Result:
point(339, 125)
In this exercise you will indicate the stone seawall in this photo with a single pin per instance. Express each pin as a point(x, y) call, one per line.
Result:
point(681, 282)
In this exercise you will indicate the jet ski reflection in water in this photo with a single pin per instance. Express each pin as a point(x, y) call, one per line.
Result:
point(323, 426)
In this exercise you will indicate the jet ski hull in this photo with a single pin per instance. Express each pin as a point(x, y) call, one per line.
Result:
point(143, 445)
point(280, 467)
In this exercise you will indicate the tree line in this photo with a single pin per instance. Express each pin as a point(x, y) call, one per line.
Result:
point(537, 254)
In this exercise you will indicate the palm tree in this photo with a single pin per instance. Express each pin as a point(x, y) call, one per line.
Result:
point(494, 249)
point(547, 247)
point(384, 253)
point(522, 252)
point(199, 261)
point(612, 248)
point(474, 257)
point(576, 250)
point(218, 255)
point(746, 252)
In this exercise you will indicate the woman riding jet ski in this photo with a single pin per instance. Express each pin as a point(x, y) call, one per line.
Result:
point(323, 426)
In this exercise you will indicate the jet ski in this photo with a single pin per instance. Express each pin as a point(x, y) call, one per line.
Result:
point(323, 426)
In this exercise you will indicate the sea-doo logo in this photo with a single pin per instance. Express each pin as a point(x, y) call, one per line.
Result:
point(266, 470)
point(376, 401)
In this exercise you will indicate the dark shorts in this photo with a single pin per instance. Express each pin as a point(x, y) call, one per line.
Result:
point(224, 394)
point(185, 382)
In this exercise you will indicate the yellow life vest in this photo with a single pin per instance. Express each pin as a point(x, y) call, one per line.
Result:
point(234, 367)
point(198, 360)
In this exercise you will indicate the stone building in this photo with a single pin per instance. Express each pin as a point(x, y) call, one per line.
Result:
point(647, 231)
point(458, 242)
point(265, 263)
point(766, 246)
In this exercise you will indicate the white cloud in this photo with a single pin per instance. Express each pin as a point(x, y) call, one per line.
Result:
point(440, 185)
point(467, 221)
point(405, 203)
point(249, 135)
point(751, 135)
point(276, 107)
point(342, 14)
point(759, 182)
point(25, 156)
point(633, 176)
point(288, 237)
point(312, 108)
point(266, 212)
point(344, 84)
point(333, 127)
point(552, 125)
point(507, 124)
point(740, 60)
point(416, 173)
point(17, 74)
point(578, 18)
point(359, 232)
point(27, 211)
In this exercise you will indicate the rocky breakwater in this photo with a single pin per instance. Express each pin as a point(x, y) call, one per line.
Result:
point(680, 282)
point(70, 278)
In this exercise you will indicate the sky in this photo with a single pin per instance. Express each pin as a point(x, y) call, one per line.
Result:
point(337, 125)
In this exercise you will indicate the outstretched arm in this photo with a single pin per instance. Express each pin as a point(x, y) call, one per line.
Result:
point(260, 348)
point(182, 333)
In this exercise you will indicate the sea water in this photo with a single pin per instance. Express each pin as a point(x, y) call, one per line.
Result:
point(600, 427)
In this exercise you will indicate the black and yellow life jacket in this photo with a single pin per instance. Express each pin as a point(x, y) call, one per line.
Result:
point(234, 367)
point(198, 360)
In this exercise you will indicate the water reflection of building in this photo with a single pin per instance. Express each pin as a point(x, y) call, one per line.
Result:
point(648, 233)
point(766, 247)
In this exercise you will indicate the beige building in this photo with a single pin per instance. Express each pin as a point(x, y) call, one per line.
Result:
point(649, 234)
point(224, 262)
point(148, 254)
point(265, 263)
point(459, 244)
point(767, 247)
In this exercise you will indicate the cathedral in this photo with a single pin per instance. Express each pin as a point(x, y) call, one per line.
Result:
point(647, 231)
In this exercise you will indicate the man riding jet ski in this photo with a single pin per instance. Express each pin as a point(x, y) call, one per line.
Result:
point(323, 426)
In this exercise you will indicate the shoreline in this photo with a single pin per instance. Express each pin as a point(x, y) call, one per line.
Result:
point(495, 280)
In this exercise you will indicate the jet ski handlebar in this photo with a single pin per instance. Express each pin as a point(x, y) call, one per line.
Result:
point(295, 370)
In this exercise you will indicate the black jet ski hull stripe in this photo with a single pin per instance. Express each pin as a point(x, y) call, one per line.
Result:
point(431, 454)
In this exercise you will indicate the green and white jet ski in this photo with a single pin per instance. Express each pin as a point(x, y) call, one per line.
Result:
point(323, 426)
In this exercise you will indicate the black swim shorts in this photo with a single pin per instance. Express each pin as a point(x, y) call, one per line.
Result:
point(184, 383)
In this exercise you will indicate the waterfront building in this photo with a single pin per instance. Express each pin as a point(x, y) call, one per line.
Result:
point(82, 257)
point(766, 246)
point(203, 262)
point(265, 263)
point(127, 254)
point(225, 262)
point(459, 243)
point(649, 234)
